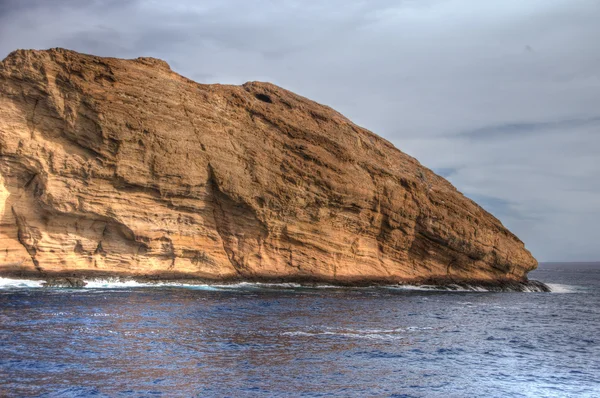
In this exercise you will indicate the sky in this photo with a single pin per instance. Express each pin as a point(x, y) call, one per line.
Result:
point(501, 97)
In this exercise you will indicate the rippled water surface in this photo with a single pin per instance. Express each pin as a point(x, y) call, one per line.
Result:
point(287, 341)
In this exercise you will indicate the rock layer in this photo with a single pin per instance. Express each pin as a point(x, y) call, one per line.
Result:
point(123, 167)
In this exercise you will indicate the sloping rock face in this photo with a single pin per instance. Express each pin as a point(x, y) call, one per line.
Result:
point(123, 167)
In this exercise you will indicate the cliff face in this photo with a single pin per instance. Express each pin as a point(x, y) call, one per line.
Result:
point(125, 167)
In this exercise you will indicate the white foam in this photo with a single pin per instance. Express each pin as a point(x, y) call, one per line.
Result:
point(9, 283)
point(258, 285)
point(117, 283)
point(463, 288)
point(559, 288)
point(434, 288)
point(123, 284)
point(130, 283)
point(413, 287)
point(111, 284)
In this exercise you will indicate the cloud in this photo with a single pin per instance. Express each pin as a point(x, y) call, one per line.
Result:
point(504, 130)
point(501, 97)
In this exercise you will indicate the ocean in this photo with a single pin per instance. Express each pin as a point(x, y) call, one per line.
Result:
point(115, 339)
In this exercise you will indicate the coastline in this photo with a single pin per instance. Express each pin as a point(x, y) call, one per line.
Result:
point(78, 279)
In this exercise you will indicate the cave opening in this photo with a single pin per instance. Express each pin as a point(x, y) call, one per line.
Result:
point(264, 98)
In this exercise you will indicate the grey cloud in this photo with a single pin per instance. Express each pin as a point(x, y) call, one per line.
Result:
point(503, 130)
point(503, 208)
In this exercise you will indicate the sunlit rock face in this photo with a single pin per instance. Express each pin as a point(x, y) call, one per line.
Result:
point(124, 167)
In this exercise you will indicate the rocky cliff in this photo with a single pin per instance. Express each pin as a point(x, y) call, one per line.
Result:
point(123, 167)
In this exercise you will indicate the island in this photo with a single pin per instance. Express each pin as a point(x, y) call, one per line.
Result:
point(124, 168)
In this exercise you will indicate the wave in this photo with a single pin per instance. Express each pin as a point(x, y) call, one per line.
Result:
point(119, 283)
point(8, 283)
point(372, 334)
point(368, 336)
point(434, 288)
point(560, 288)
point(259, 285)
point(462, 288)
point(112, 284)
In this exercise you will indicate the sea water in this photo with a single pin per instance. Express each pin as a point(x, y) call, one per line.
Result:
point(116, 339)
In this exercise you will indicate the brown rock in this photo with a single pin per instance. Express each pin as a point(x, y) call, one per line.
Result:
point(123, 167)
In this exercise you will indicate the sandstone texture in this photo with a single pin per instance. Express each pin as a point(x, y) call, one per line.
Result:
point(123, 167)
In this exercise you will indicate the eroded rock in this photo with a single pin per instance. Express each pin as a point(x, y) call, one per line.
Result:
point(125, 167)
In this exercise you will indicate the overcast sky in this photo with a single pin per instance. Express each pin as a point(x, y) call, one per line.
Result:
point(502, 97)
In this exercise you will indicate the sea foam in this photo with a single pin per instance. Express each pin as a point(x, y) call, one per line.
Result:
point(117, 283)
point(560, 288)
point(9, 283)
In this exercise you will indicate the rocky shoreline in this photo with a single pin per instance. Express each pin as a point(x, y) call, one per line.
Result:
point(79, 280)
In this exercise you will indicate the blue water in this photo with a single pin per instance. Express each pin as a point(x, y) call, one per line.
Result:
point(252, 340)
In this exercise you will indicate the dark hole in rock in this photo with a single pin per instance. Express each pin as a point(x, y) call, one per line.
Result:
point(78, 248)
point(264, 98)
